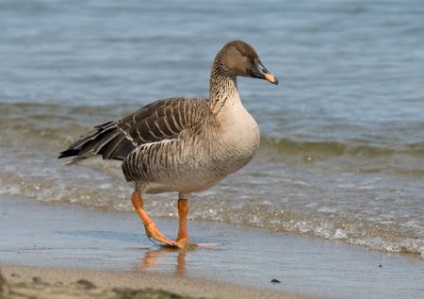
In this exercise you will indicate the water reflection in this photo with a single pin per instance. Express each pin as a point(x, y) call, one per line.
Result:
point(171, 259)
point(164, 257)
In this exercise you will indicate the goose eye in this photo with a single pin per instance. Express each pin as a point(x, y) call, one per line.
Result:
point(242, 52)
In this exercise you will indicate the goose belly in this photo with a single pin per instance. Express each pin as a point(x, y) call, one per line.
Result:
point(200, 166)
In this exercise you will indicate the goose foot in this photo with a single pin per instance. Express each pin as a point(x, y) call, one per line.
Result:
point(152, 230)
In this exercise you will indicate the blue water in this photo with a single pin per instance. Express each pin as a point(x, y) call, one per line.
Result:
point(342, 154)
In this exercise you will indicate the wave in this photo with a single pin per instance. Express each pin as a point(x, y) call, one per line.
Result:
point(46, 125)
point(346, 157)
point(92, 192)
point(330, 148)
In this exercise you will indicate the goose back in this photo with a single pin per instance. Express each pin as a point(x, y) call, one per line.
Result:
point(161, 120)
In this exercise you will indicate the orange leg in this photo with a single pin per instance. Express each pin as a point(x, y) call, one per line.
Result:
point(182, 238)
point(152, 230)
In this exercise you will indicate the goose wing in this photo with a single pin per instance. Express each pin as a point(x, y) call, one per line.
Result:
point(156, 122)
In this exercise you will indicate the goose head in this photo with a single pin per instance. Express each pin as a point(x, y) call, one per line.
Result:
point(238, 58)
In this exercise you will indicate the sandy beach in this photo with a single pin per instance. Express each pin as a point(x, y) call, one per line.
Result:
point(37, 282)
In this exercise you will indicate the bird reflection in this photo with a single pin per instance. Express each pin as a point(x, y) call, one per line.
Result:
point(155, 259)
point(166, 257)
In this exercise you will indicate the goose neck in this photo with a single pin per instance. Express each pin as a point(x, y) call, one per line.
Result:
point(223, 89)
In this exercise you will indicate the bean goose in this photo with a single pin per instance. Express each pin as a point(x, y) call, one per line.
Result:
point(180, 144)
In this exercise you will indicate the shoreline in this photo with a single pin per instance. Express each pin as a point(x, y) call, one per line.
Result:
point(55, 240)
point(46, 282)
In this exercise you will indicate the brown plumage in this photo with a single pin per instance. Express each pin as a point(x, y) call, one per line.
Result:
point(161, 120)
point(181, 144)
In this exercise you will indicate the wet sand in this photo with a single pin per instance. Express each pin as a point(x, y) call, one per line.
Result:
point(56, 283)
point(62, 243)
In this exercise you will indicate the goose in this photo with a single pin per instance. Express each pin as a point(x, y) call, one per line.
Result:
point(179, 144)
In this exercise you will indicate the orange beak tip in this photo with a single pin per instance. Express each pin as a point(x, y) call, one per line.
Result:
point(271, 79)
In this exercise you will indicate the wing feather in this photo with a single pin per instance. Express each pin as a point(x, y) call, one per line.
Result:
point(156, 122)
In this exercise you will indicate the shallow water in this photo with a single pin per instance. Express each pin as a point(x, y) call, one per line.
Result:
point(342, 152)
point(68, 236)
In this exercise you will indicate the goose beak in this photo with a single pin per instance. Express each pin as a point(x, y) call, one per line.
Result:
point(259, 71)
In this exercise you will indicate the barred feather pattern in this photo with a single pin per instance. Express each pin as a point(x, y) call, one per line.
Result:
point(140, 131)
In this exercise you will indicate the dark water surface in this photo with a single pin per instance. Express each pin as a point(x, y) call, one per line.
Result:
point(342, 152)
